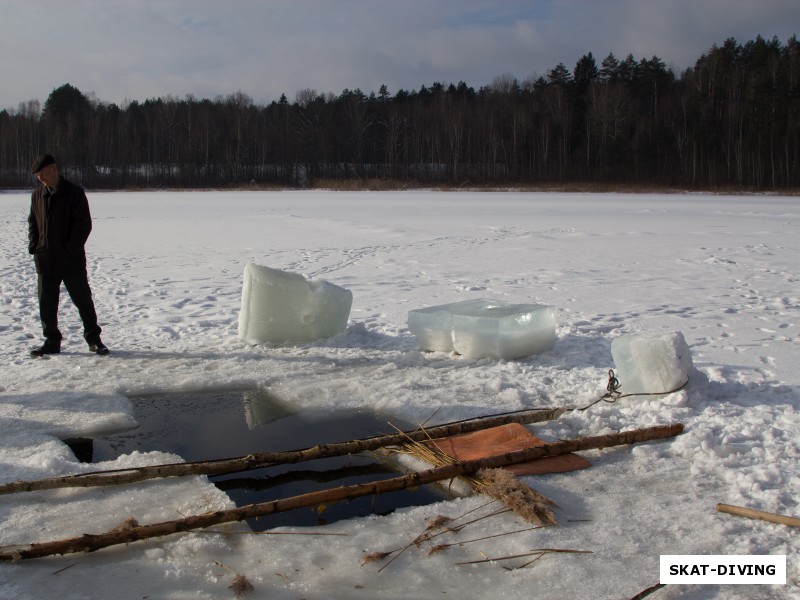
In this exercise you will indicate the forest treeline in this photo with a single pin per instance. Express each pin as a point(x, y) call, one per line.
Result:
point(731, 121)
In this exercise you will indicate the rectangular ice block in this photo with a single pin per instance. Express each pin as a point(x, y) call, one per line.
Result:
point(282, 307)
point(433, 326)
point(651, 364)
point(484, 328)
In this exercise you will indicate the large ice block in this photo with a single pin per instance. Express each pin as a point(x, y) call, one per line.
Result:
point(651, 364)
point(433, 326)
point(282, 307)
point(484, 328)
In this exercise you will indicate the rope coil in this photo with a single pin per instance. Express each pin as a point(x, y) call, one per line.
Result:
point(613, 392)
point(613, 384)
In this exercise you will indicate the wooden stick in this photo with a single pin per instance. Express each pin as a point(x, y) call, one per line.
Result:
point(257, 461)
point(92, 542)
point(651, 590)
point(752, 513)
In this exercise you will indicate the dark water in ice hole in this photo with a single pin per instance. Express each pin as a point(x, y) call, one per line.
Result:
point(226, 424)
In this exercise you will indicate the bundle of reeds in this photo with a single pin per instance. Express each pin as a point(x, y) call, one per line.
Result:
point(500, 484)
point(529, 504)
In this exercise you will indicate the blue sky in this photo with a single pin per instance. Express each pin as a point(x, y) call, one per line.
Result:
point(133, 50)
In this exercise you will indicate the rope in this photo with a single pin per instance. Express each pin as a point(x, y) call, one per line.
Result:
point(613, 384)
point(613, 392)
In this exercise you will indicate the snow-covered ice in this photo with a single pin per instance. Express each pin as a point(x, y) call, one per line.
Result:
point(282, 307)
point(650, 363)
point(166, 272)
point(484, 328)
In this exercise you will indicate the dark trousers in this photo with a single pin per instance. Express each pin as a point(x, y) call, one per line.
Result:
point(77, 284)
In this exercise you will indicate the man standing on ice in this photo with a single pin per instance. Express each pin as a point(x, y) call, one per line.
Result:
point(58, 227)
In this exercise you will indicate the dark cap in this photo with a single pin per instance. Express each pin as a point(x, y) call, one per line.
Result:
point(41, 162)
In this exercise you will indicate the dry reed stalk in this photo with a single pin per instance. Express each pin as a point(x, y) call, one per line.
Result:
point(438, 522)
point(440, 547)
point(458, 528)
point(537, 553)
point(529, 504)
point(239, 585)
point(430, 454)
point(370, 557)
point(512, 493)
point(441, 522)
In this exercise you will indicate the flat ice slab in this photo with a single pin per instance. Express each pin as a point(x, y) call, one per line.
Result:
point(484, 328)
point(651, 364)
point(281, 307)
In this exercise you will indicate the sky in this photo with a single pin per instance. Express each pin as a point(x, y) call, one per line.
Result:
point(117, 50)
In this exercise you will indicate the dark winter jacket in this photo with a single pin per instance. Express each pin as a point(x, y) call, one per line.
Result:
point(58, 227)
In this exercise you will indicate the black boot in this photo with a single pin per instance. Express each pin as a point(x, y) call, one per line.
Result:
point(98, 347)
point(48, 347)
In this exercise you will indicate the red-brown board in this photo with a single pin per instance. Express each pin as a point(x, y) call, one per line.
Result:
point(508, 438)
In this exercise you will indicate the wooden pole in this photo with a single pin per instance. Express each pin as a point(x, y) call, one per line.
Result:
point(92, 542)
point(265, 459)
point(752, 513)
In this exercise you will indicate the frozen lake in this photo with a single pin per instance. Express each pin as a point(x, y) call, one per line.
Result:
point(166, 270)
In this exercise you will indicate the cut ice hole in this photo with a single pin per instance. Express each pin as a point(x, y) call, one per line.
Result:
point(210, 425)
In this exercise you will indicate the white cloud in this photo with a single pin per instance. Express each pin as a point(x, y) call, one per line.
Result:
point(139, 50)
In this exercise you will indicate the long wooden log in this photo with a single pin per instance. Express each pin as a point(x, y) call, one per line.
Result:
point(752, 513)
point(266, 459)
point(92, 542)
